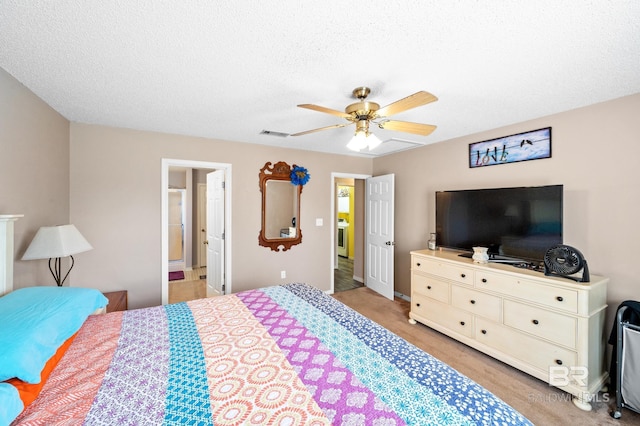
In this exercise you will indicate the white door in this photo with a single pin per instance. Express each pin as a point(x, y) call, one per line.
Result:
point(379, 250)
point(202, 225)
point(215, 233)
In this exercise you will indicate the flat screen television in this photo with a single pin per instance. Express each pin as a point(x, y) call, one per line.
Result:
point(514, 223)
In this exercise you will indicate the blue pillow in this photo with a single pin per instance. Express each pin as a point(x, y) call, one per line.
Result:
point(36, 321)
point(10, 403)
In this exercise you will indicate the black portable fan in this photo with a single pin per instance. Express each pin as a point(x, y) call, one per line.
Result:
point(565, 261)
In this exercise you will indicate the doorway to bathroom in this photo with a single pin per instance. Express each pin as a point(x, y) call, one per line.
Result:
point(196, 226)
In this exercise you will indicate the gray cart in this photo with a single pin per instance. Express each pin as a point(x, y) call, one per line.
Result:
point(627, 365)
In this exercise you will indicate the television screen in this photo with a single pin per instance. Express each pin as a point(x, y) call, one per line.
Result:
point(520, 223)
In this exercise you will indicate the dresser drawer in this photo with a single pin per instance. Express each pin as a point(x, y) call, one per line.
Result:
point(458, 273)
point(557, 298)
point(537, 353)
point(454, 319)
point(430, 287)
point(549, 325)
point(475, 302)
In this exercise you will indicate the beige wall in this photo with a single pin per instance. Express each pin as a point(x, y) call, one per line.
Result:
point(107, 182)
point(595, 155)
point(115, 200)
point(34, 171)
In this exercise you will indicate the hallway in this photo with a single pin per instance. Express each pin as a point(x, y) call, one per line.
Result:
point(193, 286)
point(343, 276)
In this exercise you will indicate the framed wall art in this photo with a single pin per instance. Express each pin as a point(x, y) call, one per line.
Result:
point(532, 145)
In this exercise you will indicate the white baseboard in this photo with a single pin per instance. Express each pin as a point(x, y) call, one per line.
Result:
point(402, 296)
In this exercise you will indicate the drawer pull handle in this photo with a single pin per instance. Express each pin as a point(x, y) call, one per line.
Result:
point(461, 322)
point(484, 280)
point(428, 287)
point(473, 302)
point(417, 304)
point(559, 299)
point(418, 264)
point(463, 275)
point(536, 322)
point(484, 331)
point(559, 361)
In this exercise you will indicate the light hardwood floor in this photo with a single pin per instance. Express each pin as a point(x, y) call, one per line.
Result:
point(190, 288)
point(343, 276)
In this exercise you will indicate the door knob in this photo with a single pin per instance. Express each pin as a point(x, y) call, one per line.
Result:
point(390, 243)
point(206, 242)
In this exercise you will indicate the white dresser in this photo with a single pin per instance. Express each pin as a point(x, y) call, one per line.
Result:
point(549, 327)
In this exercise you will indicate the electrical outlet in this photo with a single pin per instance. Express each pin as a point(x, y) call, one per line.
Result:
point(283, 274)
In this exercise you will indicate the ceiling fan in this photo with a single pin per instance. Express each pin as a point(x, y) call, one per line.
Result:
point(363, 113)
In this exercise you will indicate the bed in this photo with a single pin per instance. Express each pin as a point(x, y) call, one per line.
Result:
point(286, 354)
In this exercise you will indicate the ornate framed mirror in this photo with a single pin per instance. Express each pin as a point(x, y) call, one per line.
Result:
point(280, 207)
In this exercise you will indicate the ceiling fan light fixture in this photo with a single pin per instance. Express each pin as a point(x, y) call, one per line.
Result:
point(358, 142)
point(363, 112)
point(373, 141)
point(362, 140)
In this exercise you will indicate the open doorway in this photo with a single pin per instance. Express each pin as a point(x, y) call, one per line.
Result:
point(211, 271)
point(348, 218)
point(187, 221)
point(178, 222)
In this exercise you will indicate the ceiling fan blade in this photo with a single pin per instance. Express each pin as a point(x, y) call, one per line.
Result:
point(405, 126)
point(412, 101)
point(335, 126)
point(326, 110)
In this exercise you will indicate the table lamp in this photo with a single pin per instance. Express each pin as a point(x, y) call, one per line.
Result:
point(54, 243)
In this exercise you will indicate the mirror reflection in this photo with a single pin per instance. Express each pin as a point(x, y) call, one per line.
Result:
point(281, 207)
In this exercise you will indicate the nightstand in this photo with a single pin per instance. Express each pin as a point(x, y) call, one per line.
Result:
point(117, 300)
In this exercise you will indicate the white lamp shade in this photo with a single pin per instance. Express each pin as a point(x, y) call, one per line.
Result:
point(363, 139)
point(373, 141)
point(358, 142)
point(56, 241)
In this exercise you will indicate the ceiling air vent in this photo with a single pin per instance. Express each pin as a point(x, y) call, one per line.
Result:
point(273, 133)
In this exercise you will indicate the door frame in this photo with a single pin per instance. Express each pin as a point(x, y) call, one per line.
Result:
point(164, 191)
point(334, 221)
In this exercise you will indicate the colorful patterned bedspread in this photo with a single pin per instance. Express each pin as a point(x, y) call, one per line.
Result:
point(287, 355)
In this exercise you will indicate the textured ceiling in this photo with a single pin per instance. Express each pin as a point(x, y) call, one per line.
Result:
point(231, 69)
